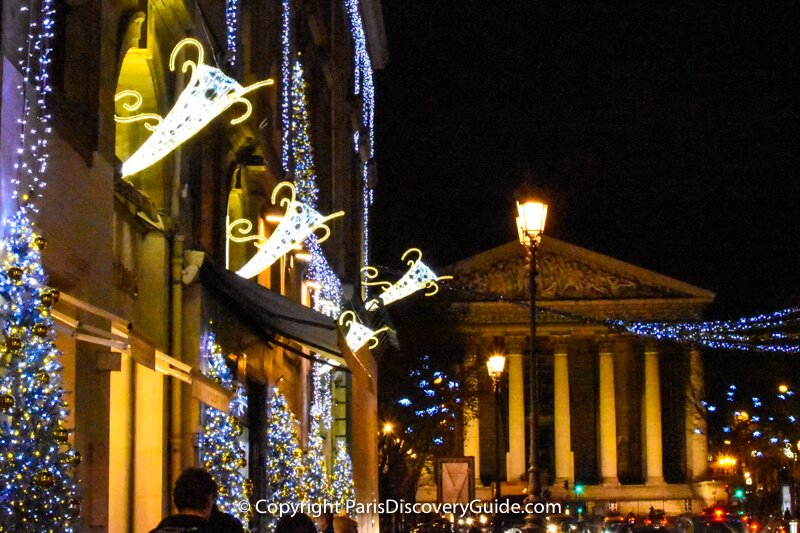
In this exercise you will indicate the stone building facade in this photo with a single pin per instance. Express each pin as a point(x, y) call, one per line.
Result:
point(619, 414)
point(140, 261)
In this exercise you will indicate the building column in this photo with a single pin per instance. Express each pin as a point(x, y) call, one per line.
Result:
point(562, 421)
point(472, 444)
point(654, 472)
point(608, 416)
point(696, 427)
point(515, 460)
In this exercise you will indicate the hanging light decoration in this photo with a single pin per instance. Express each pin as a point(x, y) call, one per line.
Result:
point(208, 93)
point(418, 277)
point(358, 334)
point(299, 222)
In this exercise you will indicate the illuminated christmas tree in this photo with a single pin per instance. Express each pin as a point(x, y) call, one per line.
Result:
point(329, 299)
point(220, 451)
point(38, 490)
point(286, 471)
point(342, 489)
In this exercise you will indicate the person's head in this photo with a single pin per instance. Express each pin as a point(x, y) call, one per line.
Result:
point(325, 521)
point(296, 523)
point(195, 491)
point(344, 524)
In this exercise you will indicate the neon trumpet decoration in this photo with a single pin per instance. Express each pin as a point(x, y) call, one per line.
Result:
point(299, 222)
point(418, 277)
point(358, 334)
point(208, 93)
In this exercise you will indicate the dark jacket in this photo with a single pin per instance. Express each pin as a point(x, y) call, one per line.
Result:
point(220, 522)
point(183, 523)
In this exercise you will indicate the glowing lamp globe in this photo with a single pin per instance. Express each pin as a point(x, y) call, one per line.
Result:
point(495, 365)
point(531, 218)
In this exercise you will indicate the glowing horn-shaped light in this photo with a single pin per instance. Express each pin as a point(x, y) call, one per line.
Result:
point(418, 277)
point(297, 224)
point(208, 93)
point(358, 334)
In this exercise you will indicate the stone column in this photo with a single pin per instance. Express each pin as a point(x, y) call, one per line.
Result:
point(563, 434)
point(654, 472)
point(696, 428)
point(608, 416)
point(472, 446)
point(515, 460)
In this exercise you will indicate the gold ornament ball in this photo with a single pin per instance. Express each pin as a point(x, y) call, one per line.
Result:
point(15, 273)
point(223, 490)
point(42, 377)
point(40, 242)
point(74, 507)
point(75, 460)
point(40, 330)
point(44, 479)
point(13, 343)
point(241, 462)
point(61, 435)
point(208, 465)
point(227, 458)
point(56, 294)
point(248, 487)
point(47, 299)
point(6, 403)
point(248, 515)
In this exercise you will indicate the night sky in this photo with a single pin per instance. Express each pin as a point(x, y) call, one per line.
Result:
point(664, 135)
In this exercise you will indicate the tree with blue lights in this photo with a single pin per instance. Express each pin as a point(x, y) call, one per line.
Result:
point(342, 489)
point(221, 453)
point(305, 182)
point(286, 470)
point(39, 491)
point(755, 435)
point(417, 427)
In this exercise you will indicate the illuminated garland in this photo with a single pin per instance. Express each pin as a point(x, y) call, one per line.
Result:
point(286, 51)
point(285, 467)
point(342, 489)
point(232, 25)
point(32, 153)
point(221, 453)
point(776, 332)
point(322, 404)
point(363, 84)
point(38, 491)
point(772, 332)
point(321, 421)
point(305, 181)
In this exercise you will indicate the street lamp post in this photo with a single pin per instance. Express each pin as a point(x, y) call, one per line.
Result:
point(495, 366)
point(530, 225)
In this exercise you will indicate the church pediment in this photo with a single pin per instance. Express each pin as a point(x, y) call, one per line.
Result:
point(566, 272)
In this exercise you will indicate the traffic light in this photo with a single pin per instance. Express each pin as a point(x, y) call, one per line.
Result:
point(578, 489)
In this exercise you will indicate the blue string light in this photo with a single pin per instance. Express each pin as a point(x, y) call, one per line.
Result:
point(770, 332)
point(232, 24)
point(364, 85)
point(34, 124)
point(286, 78)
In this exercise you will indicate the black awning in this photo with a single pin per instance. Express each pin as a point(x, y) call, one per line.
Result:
point(266, 313)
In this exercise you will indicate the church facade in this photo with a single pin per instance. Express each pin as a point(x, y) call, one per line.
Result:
point(621, 415)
